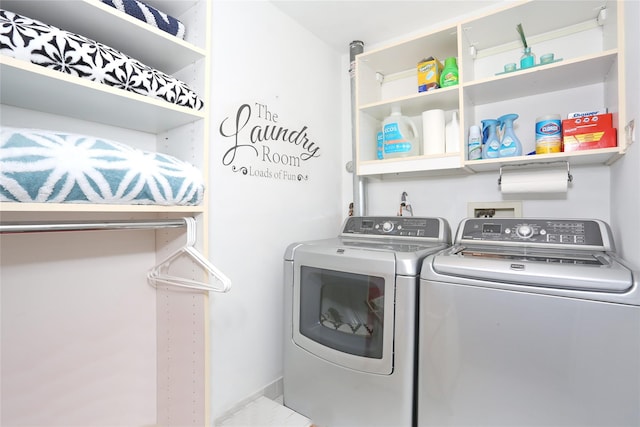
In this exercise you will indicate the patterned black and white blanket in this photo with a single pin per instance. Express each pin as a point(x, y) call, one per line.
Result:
point(36, 42)
point(150, 15)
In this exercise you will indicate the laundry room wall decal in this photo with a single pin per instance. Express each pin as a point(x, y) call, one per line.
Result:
point(260, 146)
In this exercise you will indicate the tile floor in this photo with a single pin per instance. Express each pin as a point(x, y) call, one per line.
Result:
point(264, 412)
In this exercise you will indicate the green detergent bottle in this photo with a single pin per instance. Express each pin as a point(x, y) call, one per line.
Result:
point(510, 145)
point(449, 75)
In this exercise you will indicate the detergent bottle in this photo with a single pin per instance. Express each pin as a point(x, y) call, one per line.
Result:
point(491, 147)
point(400, 136)
point(510, 144)
point(449, 75)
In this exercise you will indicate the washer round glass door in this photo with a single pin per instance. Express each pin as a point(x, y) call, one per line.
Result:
point(343, 306)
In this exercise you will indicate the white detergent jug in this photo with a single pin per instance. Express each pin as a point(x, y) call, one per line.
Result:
point(452, 144)
point(400, 135)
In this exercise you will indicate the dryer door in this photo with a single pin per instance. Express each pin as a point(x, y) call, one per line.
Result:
point(343, 306)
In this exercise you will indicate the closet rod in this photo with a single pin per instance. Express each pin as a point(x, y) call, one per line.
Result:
point(35, 227)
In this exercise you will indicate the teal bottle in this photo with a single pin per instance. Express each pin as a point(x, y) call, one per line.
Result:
point(449, 75)
point(528, 59)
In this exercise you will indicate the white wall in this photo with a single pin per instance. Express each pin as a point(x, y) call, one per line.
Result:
point(625, 181)
point(448, 196)
point(260, 56)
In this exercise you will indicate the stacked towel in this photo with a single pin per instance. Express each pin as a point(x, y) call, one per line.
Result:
point(41, 166)
point(33, 41)
point(150, 15)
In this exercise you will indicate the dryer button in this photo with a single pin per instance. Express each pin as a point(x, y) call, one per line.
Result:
point(524, 231)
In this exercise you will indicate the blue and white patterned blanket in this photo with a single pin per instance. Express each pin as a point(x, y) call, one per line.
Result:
point(150, 15)
point(33, 41)
point(41, 166)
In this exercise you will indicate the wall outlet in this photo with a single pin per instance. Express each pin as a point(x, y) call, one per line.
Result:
point(495, 209)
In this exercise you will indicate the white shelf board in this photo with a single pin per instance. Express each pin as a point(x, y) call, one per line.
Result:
point(94, 207)
point(107, 25)
point(557, 76)
point(33, 87)
point(413, 105)
point(499, 27)
point(421, 164)
point(601, 156)
point(402, 56)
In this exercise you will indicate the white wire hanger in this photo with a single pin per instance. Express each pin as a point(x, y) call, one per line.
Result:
point(159, 273)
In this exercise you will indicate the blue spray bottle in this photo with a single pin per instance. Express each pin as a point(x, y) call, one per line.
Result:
point(510, 144)
point(491, 147)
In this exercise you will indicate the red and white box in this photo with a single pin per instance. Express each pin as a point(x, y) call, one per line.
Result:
point(586, 133)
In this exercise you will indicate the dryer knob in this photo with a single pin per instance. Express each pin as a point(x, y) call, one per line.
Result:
point(387, 226)
point(525, 231)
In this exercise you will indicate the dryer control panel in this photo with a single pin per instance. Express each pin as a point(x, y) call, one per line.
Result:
point(556, 232)
point(397, 226)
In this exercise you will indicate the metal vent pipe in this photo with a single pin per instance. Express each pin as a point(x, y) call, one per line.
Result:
point(355, 47)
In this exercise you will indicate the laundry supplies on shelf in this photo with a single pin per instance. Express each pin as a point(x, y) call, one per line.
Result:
point(400, 135)
point(452, 134)
point(449, 76)
point(509, 144)
point(429, 71)
point(491, 142)
point(548, 134)
point(475, 143)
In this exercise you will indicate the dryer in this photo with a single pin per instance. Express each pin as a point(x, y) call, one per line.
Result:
point(350, 321)
point(530, 322)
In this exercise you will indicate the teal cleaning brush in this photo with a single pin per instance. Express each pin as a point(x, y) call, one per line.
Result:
point(528, 59)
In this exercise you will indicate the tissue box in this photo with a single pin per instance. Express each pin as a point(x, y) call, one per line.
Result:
point(429, 74)
point(587, 141)
point(587, 124)
point(586, 133)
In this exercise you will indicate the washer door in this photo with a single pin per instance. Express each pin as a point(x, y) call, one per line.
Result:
point(343, 306)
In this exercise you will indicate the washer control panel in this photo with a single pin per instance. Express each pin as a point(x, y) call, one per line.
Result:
point(398, 226)
point(528, 230)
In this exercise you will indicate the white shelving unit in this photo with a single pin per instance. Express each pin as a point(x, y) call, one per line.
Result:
point(588, 43)
point(144, 360)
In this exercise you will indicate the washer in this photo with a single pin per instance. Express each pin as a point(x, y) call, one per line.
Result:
point(350, 311)
point(529, 322)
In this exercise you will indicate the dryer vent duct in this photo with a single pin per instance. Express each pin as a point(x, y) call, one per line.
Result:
point(355, 47)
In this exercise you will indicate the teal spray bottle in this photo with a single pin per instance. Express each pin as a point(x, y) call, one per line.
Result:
point(510, 144)
point(491, 146)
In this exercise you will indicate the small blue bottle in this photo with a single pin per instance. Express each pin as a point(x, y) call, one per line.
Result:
point(510, 145)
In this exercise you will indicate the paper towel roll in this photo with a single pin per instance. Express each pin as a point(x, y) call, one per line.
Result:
point(534, 181)
point(433, 135)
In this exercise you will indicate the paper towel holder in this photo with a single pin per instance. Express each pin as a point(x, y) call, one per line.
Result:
point(569, 176)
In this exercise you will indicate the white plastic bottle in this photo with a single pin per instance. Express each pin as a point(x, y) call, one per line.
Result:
point(475, 143)
point(400, 135)
point(452, 144)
